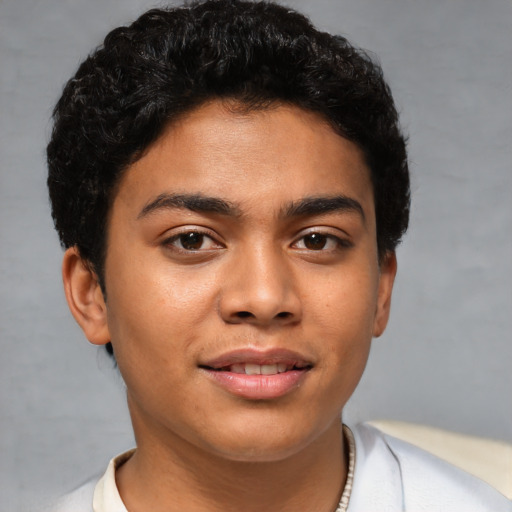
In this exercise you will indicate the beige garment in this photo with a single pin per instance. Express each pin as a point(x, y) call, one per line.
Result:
point(390, 475)
point(487, 459)
point(106, 495)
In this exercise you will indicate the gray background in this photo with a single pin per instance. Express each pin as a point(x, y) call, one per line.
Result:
point(445, 359)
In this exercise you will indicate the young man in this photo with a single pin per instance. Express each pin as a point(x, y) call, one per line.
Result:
point(230, 186)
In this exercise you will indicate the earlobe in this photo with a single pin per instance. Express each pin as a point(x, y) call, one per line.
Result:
point(85, 298)
point(388, 269)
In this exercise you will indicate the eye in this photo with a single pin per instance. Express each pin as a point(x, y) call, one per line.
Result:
point(316, 241)
point(192, 241)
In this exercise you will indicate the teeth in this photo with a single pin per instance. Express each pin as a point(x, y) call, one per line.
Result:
point(257, 369)
point(268, 369)
point(253, 369)
point(237, 368)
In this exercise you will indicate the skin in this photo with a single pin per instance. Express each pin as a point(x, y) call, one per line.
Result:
point(255, 279)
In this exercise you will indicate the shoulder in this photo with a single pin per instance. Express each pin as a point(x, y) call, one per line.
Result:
point(99, 494)
point(389, 467)
point(79, 500)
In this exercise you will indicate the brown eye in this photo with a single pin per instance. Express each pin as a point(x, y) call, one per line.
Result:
point(315, 241)
point(321, 242)
point(191, 241)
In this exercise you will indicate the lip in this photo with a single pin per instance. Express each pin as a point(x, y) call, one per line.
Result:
point(258, 387)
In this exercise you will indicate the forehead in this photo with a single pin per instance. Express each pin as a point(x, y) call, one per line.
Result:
point(276, 155)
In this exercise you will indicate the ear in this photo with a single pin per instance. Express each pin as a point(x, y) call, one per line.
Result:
point(387, 278)
point(85, 298)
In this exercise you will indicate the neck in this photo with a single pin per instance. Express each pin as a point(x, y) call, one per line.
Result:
point(173, 475)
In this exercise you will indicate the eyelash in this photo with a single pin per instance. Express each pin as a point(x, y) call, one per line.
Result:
point(340, 243)
point(178, 237)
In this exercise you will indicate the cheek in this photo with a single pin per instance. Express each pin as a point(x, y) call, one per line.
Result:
point(154, 309)
point(347, 303)
point(344, 319)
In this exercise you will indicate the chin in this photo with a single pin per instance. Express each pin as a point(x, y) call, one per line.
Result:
point(259, 452)
point(268, 442)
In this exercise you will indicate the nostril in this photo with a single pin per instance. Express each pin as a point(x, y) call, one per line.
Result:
point(247, 315)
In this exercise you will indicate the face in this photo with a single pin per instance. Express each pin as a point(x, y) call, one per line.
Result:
point(243, 283)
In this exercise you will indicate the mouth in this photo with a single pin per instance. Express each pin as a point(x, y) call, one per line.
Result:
point(254, 375)
point(259, 369)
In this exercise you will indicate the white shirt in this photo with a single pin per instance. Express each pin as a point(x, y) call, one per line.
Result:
point(390, 476)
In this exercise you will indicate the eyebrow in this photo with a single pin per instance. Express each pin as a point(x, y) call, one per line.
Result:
point(308, 206)
point(193, 202)
point(311, 206)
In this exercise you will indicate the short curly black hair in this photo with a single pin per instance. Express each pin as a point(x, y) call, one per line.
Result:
point(170, 61)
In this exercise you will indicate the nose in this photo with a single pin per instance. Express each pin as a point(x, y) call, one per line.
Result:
point(261, 289)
